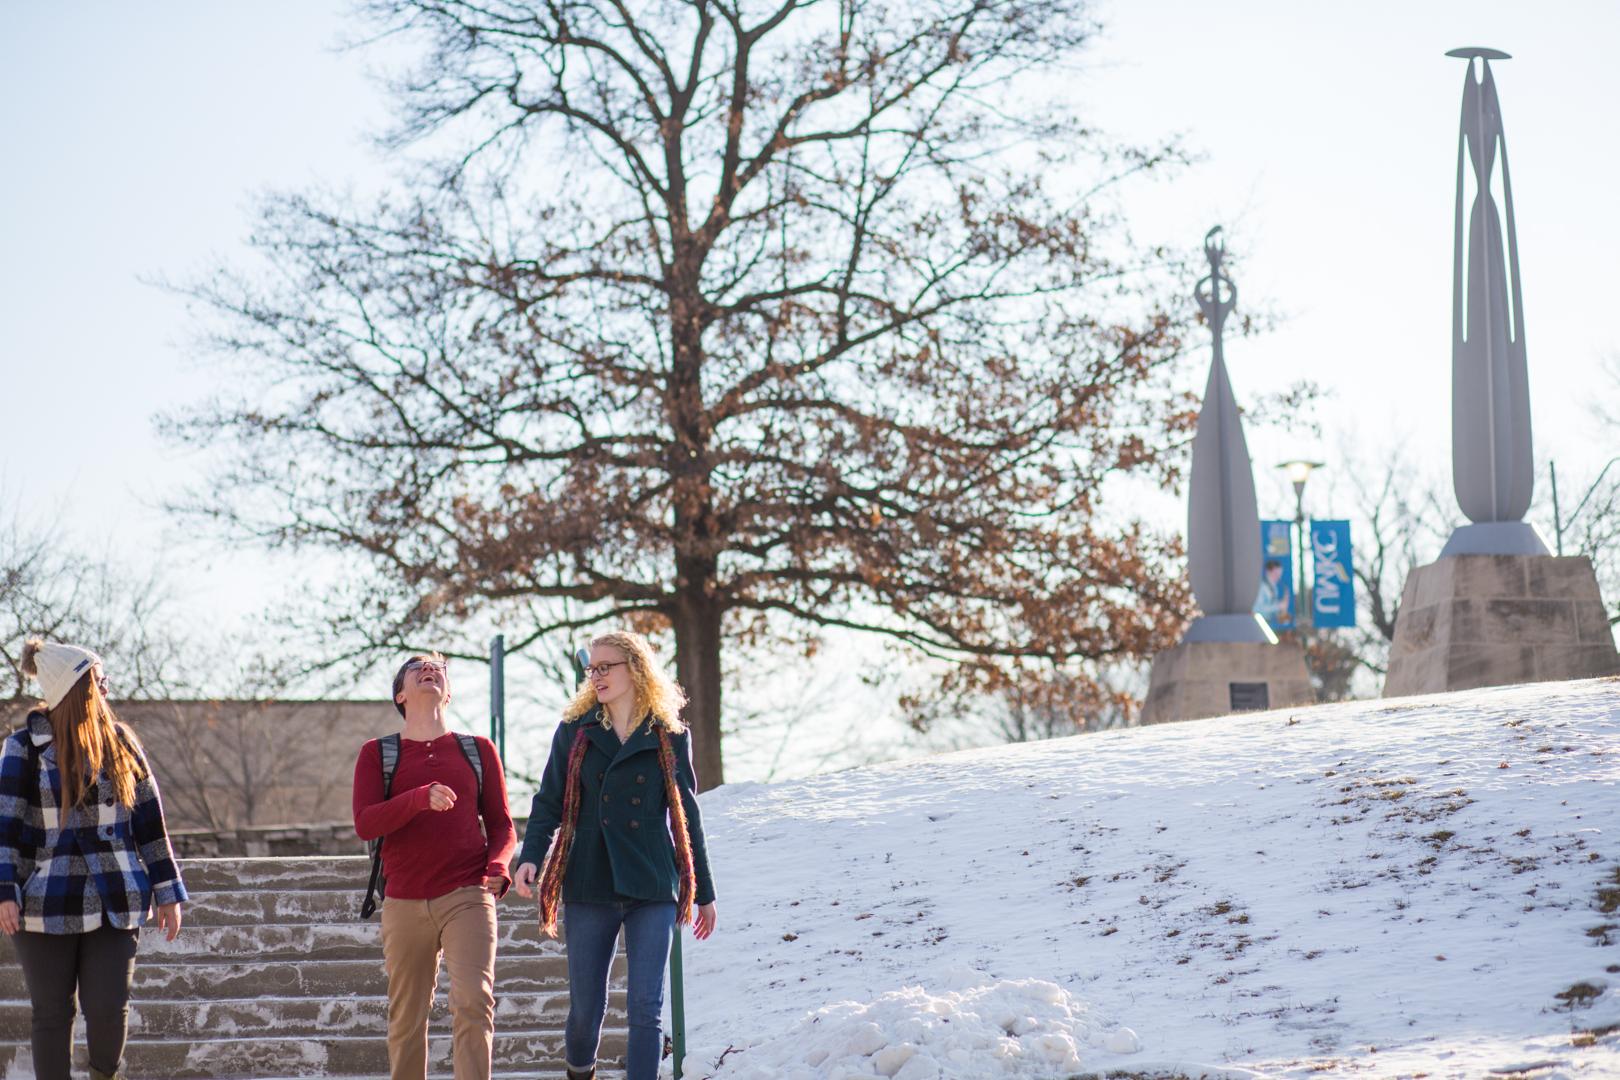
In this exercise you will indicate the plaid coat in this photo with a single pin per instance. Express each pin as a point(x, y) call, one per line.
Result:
point(105, 863)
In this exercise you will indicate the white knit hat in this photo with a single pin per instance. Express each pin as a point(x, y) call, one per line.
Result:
point(57, 667)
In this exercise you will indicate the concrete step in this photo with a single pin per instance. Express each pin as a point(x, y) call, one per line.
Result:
point(338, 906)
point(322, 873)
point(327, 1055)
point(250, 908)
point(278, 875)
point(310, 941)
point(275, 977)
point(304, 1017)
point(203, 981)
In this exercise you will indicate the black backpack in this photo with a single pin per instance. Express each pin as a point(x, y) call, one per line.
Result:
point(388, 748)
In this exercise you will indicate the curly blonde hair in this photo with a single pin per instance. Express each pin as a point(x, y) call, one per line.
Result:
point(656, 693)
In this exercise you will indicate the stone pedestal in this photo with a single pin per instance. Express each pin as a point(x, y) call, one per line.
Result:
point(1213, 678)
point(1494, 620)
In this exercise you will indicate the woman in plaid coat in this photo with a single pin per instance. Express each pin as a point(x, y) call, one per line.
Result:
point(84, 857)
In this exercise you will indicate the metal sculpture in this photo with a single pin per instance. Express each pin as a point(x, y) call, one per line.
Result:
point(1223, 524)
point(1492, 464)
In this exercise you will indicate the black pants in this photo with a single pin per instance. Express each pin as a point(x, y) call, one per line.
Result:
point(98, 965)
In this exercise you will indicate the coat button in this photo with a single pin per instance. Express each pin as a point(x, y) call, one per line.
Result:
point(635, 800)
point(634, 824)
point(600, 775)
point(640, 779)
point(604, 798)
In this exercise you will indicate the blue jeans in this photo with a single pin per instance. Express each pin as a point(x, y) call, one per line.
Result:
point(590, 932)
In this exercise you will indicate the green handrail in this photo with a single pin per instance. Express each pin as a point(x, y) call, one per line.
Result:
point(677, 1003)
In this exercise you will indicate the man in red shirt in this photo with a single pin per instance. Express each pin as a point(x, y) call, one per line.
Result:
point(444, 853)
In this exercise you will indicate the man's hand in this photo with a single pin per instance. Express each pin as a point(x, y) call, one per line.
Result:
point(441, 797)
point(10, 917)
point(523, 879)
point(495, 885)
point(168, 916)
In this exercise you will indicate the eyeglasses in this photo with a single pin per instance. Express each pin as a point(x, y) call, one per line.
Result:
point(598, 670)
point(427, 665)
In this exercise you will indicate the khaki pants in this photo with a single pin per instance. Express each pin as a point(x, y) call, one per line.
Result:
point(461, 926)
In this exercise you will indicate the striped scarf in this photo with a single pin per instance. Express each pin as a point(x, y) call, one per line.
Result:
point(551, 878)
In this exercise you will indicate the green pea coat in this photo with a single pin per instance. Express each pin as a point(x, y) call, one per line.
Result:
point(622, 848)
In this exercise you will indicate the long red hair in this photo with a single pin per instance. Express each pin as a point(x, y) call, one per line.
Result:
point(88, 741)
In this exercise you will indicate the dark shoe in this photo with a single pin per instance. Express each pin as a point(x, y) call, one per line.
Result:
point(94, 1075)
point(589, 1074)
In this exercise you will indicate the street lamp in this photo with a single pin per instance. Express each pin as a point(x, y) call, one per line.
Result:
point(1298, 473)
point(1560, 524)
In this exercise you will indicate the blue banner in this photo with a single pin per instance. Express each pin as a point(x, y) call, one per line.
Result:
point(1333, 588)
point(1275, 603)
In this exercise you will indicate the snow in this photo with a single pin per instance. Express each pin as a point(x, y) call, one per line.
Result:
point(1386, 888)
point(1015, 1028)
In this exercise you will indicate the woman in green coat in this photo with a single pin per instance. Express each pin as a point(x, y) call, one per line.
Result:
point(630, 852)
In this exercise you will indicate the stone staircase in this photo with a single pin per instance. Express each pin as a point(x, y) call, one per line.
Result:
point(275, 976)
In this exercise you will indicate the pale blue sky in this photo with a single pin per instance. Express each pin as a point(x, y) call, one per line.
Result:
point(136, 137)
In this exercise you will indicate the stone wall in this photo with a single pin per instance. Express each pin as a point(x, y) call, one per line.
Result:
point(279, 841)
point(233, 765)
point(273, 841)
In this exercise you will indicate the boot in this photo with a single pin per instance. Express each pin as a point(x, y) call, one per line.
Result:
point(589, 1074)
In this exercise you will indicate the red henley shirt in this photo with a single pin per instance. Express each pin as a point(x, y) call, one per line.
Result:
point(427, 853)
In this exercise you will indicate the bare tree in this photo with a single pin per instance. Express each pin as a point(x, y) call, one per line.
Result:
point(712, 312)
point(1589, 514)
point(1025, 702)
point(223, 762)
point(1400, 520)
point(49, 588)
point(254, 760)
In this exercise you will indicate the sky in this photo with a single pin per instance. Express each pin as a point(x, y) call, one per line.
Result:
point(138, 139)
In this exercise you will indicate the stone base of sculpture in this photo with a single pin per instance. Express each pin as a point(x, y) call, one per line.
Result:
point(1199, 679)
point(1496, 620)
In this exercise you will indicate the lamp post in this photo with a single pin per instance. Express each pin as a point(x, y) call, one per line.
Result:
point(1559, 525)
point(497, 694)
point(1298, 473)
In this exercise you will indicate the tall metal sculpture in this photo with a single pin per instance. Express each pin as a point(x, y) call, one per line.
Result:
point(1228, 660)
point(1496, 608)
point(1223, 524)
point(1492, 463)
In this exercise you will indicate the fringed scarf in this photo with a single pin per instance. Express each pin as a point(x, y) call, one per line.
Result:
point(551, 878)
point(677, 828)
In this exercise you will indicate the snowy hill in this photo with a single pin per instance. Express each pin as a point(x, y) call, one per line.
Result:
point(1414, 887)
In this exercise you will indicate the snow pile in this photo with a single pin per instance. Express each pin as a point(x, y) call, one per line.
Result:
point(1023, 1028)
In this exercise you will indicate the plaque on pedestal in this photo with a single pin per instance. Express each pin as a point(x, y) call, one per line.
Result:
point(1249, 696)
point(1199, 679)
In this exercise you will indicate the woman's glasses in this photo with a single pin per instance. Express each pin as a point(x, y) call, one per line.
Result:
point(598, 670)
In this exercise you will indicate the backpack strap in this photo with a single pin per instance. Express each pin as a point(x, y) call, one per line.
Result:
point(388, 747)
point(388, 750)
point(469, 750)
